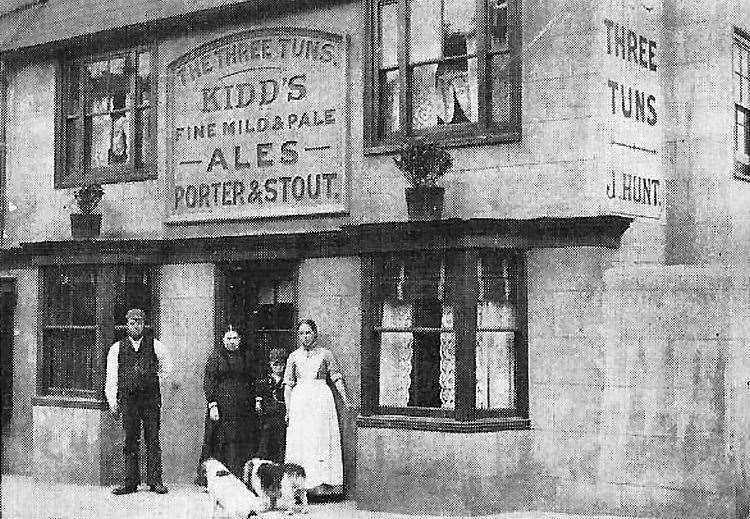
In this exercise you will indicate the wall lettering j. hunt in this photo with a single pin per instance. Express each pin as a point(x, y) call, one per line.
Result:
point(257, 126)
point(630, 47)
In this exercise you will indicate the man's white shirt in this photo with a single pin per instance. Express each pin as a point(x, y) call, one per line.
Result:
point(110, 385)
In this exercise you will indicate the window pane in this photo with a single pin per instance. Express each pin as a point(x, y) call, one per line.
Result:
point(496, 322)
point(71, 297)
point(118, 152)
point(119, 82)
point(424, 25)
point(500, 88)
point(498, 25)
point(132, 290)
point(460, 25)
point(445, 93)
point(144, 137)
point(741, 143)
point(71, 355)
point(736, 57)
point(109, 139)
point(74, 146)
point(738, 94)
point(144, 78)
point(98, 93)
point(74, 94)
point(417, 369)
point(389, 102)
point(99, 130)
point(494, 360)
point(389, 35)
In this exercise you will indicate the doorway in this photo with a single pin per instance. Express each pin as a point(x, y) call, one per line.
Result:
point(7, 305)
point(260, 300)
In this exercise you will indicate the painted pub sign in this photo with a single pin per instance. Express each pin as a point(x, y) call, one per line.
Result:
point(633, 107)
point(257, 127)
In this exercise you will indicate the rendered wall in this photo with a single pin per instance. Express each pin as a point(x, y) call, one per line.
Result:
point(186, 307)
point(708, 207)
point(329, 293)
point(18, 441)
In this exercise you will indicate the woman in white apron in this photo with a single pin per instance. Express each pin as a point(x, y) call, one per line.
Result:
point(313, 439)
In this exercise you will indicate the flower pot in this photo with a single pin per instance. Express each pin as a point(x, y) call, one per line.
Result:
point(424, 202)
point(85, 225)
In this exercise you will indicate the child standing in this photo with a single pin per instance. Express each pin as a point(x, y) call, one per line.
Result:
point(272, 410)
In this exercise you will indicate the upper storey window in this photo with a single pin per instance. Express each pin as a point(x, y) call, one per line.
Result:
point(108, 122)
point(448, 68)
point(741, 75)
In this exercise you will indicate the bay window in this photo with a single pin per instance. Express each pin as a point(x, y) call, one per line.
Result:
point(446, 335)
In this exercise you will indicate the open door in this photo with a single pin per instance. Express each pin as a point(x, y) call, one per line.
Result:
point(260, 299)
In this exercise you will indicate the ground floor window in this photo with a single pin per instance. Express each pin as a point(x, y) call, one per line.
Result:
point(447, 334)
point(83, 313)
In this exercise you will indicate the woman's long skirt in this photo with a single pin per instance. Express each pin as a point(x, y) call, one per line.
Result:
point(313, 439)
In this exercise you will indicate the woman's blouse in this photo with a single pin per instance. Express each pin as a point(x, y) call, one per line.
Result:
point(228, 381)
point(309, 365)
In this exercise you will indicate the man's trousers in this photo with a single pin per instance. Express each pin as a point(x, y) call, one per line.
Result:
point(137, 411)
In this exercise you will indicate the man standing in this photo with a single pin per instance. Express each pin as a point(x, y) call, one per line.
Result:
point(132, 386)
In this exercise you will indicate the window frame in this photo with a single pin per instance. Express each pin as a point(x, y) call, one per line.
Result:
point(129, 171)
point(465, 413)
point(105, 327)
point(460, 134)
point(741, 43)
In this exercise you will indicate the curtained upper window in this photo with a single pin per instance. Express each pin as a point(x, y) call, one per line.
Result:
point(107, 118)
point(439, 66)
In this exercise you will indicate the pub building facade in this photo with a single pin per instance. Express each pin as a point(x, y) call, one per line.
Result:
point(570, 335)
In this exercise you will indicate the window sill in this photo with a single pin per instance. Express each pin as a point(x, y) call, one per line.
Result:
point(68, 401)
point(419, 423)
point(138, 175)
point(450, 141)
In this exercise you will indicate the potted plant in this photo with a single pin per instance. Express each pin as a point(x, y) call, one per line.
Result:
point(423, 163)
point(86, 224)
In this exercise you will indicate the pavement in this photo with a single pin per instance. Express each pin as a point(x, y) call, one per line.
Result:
point(25, 498)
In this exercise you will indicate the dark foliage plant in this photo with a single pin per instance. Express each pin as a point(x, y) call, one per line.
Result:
point(423, 162)
point(88, 197)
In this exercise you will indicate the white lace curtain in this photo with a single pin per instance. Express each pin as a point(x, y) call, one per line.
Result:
point(494, 356)
point(494, 352)
point(396, 352)
point(437, 92)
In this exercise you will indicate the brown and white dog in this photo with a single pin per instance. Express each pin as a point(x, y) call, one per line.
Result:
point(231, 498)
point(273, 482)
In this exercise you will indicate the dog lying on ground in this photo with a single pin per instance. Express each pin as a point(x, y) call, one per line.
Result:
point(273, 482)
point(231, 498)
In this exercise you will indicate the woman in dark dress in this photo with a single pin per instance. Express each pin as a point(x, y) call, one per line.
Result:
point(231, 427)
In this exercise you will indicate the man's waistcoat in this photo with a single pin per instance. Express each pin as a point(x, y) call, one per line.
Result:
point(137, 373)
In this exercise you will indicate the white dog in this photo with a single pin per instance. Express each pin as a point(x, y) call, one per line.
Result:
point(231, 498)
point(271, 482)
